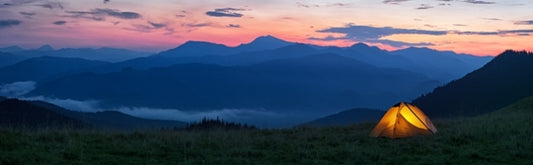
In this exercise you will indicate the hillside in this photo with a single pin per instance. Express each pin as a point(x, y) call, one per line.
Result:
point(502, 81)
point(16, 113)
point(501, 137)
point(348, 117)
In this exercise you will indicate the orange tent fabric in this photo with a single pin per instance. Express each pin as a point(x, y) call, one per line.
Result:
point(403, 120)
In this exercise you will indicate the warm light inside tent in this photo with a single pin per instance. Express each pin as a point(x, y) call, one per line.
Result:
point(403, 120)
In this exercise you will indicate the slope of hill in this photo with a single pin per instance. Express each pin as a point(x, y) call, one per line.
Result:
point(445, 65)
point(348, 117)
point(42, 68)
point(504, 80)
point(38, 114)
point(317, 82)
point(7, 59)
point(16, 113)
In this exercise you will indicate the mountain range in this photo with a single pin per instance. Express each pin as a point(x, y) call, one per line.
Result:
point(267, 74)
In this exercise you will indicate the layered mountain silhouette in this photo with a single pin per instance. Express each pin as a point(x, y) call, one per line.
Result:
point(348, 117)
point(268, 74)
point(314, 82)
point(39, 69)
point(37, 114)
point(101, 54)
point(502, 81)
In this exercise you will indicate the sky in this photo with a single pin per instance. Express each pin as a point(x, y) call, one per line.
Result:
point(479, 27)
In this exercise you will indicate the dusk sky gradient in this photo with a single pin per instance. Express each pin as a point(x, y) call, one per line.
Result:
point(480, 27)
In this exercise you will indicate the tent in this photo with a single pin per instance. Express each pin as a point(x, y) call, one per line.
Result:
point(403, 120)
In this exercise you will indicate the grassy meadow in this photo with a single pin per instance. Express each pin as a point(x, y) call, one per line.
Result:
point(501, 137)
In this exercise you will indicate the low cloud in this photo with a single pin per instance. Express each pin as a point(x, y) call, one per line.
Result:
point(17, 88)
point(106, 1)
point(529, 22)
point(9, 23)
point(60, 22)
point(99, 14)
point(479, 2)
point(225, 12)
point(230, 114)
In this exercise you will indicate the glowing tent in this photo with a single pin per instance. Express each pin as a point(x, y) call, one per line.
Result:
point(403, 120)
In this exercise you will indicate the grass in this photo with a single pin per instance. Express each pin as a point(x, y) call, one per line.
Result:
point(501, 137)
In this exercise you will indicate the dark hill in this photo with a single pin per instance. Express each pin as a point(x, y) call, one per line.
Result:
point(348, 117)
point(16, 113)
point(502, 81)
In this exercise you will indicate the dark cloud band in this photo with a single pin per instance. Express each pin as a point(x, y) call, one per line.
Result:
point(9, 23)
point(225, 12)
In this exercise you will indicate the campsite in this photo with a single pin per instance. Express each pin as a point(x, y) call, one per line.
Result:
point(501, 137)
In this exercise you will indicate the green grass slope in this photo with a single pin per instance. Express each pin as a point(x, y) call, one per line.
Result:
point(500, 137)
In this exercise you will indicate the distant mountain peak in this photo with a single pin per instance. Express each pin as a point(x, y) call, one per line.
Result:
point(360, 44)
point(45, 48)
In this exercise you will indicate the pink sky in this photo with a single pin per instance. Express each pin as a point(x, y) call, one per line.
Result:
point(464, 26)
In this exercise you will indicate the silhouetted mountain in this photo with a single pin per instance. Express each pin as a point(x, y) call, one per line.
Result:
point(201, 48)
point(315, 82)
point(42, 68)
point(352, 116)
point(263, 43)
point(11, 49)
point(7, 59)
point(16, 113)
point(45, 48)
point(111, 119)
point(502, 81)
point(100, 54)
point(442, 65)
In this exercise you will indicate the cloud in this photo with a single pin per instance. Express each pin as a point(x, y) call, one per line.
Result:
point(234, 26)
point(51, 5)
point(157, 25)
point(300, 4)
point(71, 104)
point(13, 3)
point(478, 2)
point(60, 22)
point(493, 19)
point(529, 22)
point(394, 1)
point(106, 1)
point(9, 23)
point(424, 6)
point(400, 43)
point(27, 13)
point(99, 14)
point(17, 88)
point(225, 12)
point(198, 24)
point(459, 25)
point(371, 34)
point(180, 15)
